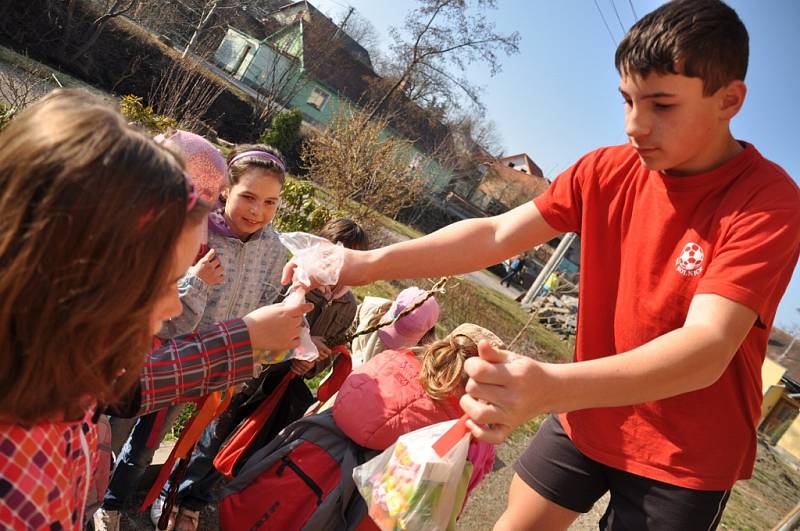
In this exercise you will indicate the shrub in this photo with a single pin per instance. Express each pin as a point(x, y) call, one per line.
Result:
point(133, 108)
point(284, 133)
point(6, 114)
point(299, 210)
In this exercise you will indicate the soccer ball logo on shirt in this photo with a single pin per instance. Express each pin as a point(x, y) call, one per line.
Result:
point(690, 261)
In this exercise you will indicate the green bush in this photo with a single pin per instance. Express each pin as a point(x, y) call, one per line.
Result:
point(299, 210)
point(6, 114)
point(180, 423)
point(284, 133)
point(134, 110)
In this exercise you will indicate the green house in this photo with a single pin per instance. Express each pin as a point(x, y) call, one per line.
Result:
point(307, 62)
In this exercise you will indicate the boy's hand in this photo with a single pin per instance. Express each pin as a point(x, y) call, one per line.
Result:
point(209, 269)
point(322, 348)
point(352, 273)
point(276, 327)
point(503, 391)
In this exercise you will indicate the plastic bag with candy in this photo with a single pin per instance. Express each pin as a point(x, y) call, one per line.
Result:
point(410, 486)
point(316, 258)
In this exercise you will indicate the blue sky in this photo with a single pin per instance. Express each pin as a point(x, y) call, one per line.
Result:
point(558, 98)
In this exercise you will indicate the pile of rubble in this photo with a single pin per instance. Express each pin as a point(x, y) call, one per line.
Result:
point(558, 313)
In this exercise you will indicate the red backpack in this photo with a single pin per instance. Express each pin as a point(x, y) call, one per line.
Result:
point(303, 479)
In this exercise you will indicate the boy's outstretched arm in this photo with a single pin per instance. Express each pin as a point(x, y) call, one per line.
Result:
point(506, 390)
point(462, 247)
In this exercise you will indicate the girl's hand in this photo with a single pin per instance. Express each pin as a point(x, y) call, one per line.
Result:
point(322, 348)
point(503, 391)
point(209, 269)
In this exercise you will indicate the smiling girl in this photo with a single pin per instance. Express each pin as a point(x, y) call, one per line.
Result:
point(248, 254)
point(248, 259)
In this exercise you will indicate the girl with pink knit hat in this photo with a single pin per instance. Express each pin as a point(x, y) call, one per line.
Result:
point(407, 331)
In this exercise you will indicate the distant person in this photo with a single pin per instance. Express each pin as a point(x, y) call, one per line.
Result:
point(514, 269)
point(551, 284)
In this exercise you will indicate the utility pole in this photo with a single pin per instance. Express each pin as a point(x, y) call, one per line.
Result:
point(346, 18)
point(549, 267)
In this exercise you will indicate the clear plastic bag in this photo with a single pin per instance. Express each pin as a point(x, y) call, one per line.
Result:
point(316, 258)
point(410, 487)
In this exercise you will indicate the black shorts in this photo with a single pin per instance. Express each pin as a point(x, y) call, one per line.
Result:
point(556, 469)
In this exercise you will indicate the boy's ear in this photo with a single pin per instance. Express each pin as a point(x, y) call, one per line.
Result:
point(224, 193)
point(732, 98)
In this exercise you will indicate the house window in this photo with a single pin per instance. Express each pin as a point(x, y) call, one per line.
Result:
point(318, 98)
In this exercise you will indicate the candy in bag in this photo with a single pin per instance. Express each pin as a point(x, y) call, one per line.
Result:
point(316, 258)
point(410, 487)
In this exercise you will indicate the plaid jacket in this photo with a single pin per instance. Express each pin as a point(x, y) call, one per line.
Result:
point(46, 469)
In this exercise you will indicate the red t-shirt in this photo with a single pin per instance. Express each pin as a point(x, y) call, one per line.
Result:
point(650, 242)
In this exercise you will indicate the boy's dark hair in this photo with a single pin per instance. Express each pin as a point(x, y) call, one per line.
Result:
point(695, 38)
point(346, 231)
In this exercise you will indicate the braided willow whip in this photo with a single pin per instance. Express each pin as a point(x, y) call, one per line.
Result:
point(438, 287)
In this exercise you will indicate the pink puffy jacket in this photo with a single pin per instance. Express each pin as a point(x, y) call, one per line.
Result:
point(384, 399)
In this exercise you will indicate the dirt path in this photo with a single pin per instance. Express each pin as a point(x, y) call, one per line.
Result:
point(488, 501)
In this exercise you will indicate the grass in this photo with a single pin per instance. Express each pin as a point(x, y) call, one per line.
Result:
point(398, 227)
point(526, 431)
point(467, 302)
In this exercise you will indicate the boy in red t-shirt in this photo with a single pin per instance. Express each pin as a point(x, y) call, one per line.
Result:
point(689, 238)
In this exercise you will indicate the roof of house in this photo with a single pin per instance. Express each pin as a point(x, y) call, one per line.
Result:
point(532, 167)
point(308, 12)
point(511, 187)
point(779, 342)
point(347, 69)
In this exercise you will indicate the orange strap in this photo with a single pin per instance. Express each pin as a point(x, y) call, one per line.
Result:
point(211, 406)
point(342, 367)
point(451, 437)
point(237, 444)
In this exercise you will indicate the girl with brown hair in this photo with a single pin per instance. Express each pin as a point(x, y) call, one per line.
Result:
point(98, 223)
point(249, 258)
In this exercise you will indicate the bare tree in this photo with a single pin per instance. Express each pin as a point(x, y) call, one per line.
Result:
point(184, 93)
point(361, 30)
point(207, 10)
point(19, 87)
point(364, 174)
point(279, 81)
point(440, 38)
point(65, 11)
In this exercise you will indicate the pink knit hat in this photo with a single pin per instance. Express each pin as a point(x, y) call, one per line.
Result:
point(407, 331)
point(204, 163)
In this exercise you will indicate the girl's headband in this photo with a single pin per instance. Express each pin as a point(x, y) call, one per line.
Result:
point(259, 155)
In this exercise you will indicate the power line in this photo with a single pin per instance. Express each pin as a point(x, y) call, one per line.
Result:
point(635, 16)
point(341, 5)
point(604, 22)
point(621, 25)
